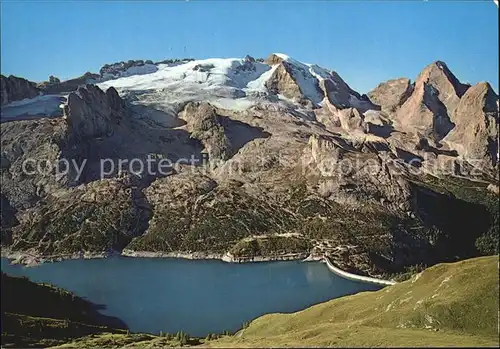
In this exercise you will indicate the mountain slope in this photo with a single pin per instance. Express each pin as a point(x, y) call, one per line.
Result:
point(446, 305)
point(41, 315)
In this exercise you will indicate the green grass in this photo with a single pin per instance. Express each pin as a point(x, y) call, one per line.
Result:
point(452, 304)
point(132, 340)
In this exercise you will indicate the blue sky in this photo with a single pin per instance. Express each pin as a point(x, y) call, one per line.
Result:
point(366, 42)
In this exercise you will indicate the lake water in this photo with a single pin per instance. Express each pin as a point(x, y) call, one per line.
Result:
point(196, 296)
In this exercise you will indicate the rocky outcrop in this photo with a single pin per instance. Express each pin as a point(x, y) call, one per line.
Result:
point(15, 89)
point(68, 85)
point(351, 119)
point(390, 95)
point(91, 113)
point(326, 147)
point(131, 67)
point(207, 127)
point(475, 135)
point(353, 176)
point(116, 103)
point(341, 95)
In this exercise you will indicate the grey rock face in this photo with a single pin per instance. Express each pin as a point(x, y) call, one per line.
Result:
point(29, 150)
point(273, 59)
point(282, 81)
point(430, 107)
point(206, 126)
point(91, 112)
point(475, 135)
point(341, 95)
point(15, 89)
point(391, 94)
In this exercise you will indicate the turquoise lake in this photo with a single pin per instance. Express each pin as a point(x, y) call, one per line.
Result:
point(196, 296)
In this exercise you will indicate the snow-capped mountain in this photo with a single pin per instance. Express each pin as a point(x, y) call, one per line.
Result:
point(237, 83)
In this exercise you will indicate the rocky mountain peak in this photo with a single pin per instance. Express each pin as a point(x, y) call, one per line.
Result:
point(440, 77)
point(430, 108)
point(475, 135)
point(284, 82)
point(273, 59)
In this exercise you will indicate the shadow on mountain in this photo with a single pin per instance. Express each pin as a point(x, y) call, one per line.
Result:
point(383, 131)
point(424, 145)
point(134, 148)
point(156, 117)
point(36, 313)
point(240, 133)
point(457, 223)
point(409, 158)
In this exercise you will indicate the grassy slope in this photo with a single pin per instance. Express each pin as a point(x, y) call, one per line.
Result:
point(40, 315)
point(133, 340)
point(446, 305)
